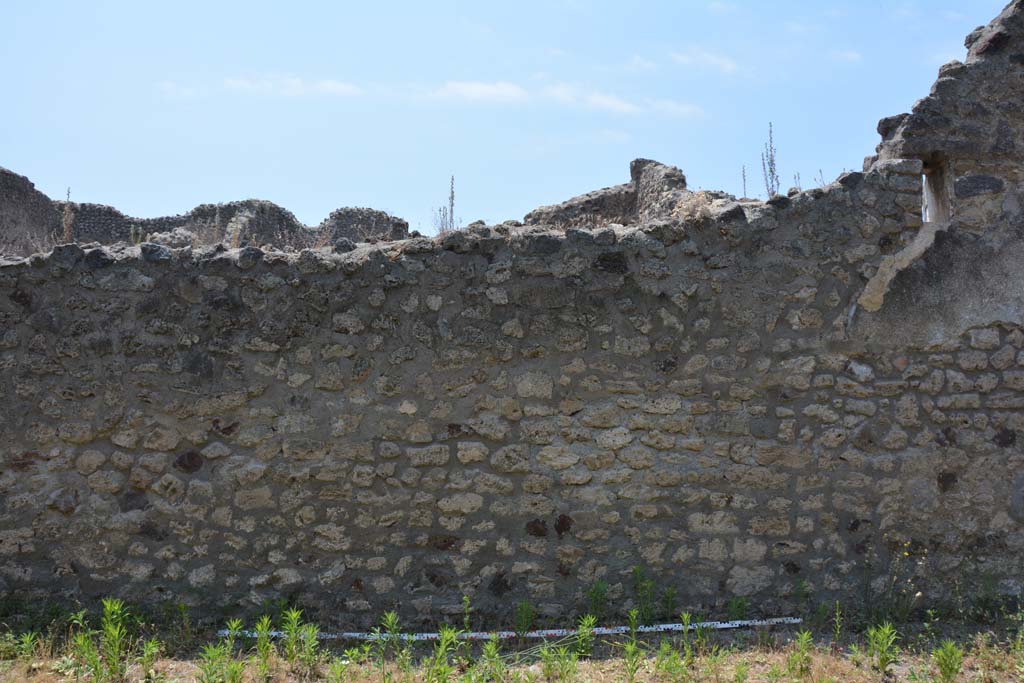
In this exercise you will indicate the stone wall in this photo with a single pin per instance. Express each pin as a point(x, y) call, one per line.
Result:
point(742, 398)
point(27, 216)
point(362, 225)
point(30, 222)
point(627, 204)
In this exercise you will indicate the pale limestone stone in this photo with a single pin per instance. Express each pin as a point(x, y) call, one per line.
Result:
point(125, 438)
point(202, 577)
point(749, 551)
point(76, 432)
point(105, 481)
point(534, 385)
point(162, 438)
point(513, 328)
point(431, 456)
point(713, 522)
point(461, 503)
point(471, 451)
point(557, 457)
point(215, 450)
point(253, 499)
point(614, 438)
point(169, 487)
point(748, 580)
point(331, 538)
point(89, 461)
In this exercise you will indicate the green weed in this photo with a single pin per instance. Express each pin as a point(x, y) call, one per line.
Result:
point(87, 656)
point(523, 618)
point(798, 663)
point(669, 665)
point(8, 646)
point(547, 662)
point(439, 665)
point(737, 608)
point(585, 635)
point(882, 648)
point(632, 657)
point(669, 602)
point(27, 645)
point(566, 664)
point(643, 588)
point(264, 648)
point(837, 625)
point(337, 670)
point(597, 599)
point(213, 660)
point(147, 659)
point(742, 672)
point(309, 649)
point(291, 635)
point(492, 665)
point(948, 659)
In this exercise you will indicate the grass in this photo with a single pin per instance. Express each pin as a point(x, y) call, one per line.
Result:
point(119, 645)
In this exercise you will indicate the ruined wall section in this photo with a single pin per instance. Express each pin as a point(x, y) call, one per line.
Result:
point(28, 216)
point(652, 185)
point(507, 413)
point(970, 128)
point(362, 225)
point(31, 222)
point(251, 221)
point(969, 135)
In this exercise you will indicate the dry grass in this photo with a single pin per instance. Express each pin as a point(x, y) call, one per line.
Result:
point(693, 207)
point(68, 222)
point(739, 657)
point(762, 667)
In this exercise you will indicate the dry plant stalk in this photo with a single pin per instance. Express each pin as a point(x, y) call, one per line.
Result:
point(68, 221)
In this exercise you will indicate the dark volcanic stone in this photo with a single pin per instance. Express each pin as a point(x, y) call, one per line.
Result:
point(189, 462)
point(974, 185)
point(154, 253)
point(537, 527)
point(612, 262)
point(97, 258)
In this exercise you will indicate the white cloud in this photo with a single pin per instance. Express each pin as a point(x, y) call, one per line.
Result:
point(606, 102)
point(290, 86)
point(638, 63)
point(699, 57)
point(332, 87)
point(801, 27)
point(174, 90)
point(851, 56)
point(562, 92)
point(721, 7)
point(673, 108)
point(480, 91)
point(571, 95)
point(484, 92)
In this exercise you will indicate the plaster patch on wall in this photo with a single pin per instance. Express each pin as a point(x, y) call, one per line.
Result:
point(873, 296)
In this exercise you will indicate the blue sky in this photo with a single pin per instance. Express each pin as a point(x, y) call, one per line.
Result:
point(157, 107)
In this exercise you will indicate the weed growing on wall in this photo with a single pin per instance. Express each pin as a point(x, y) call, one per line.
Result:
point(769, 168)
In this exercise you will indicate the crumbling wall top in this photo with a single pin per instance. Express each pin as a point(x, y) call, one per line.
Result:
point(973, 110)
